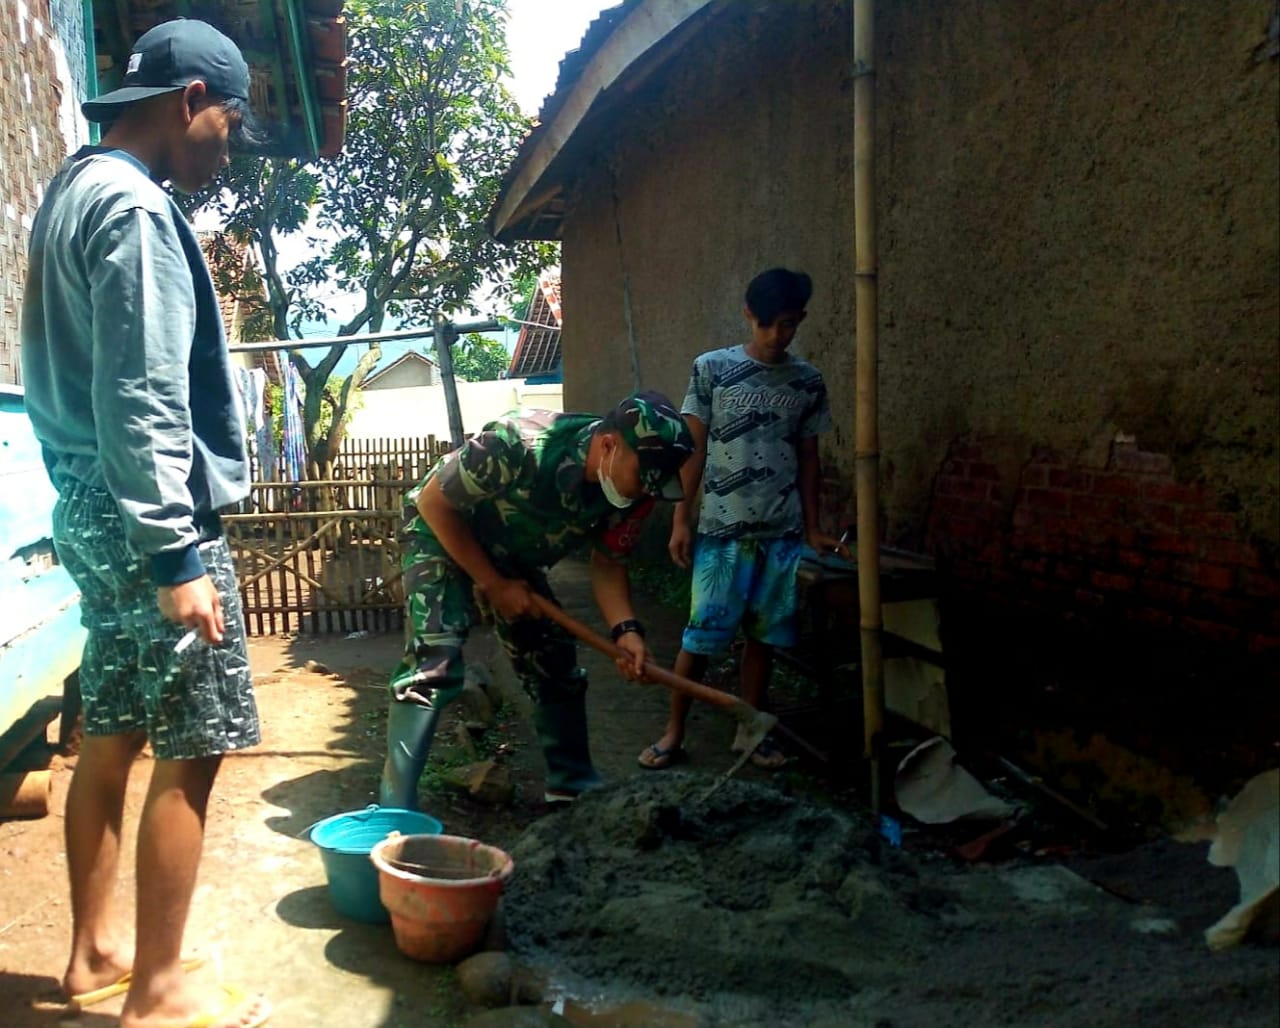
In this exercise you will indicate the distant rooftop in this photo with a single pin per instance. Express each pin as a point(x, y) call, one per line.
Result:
point(538, 348)
point(404, 360)
point(296, 50)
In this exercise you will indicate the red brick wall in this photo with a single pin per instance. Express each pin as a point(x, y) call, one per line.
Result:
point(1122, 542)
point(31, 141)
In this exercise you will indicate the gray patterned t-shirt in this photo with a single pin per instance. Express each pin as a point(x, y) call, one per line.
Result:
point(756, 414)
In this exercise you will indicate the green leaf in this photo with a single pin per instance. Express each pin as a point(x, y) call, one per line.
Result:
point(430, 133)
point(477, 359)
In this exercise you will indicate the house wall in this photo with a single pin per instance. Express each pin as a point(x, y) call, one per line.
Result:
point(1079, 280)
point(42, 80)
point(420, 410)
point(405, 376)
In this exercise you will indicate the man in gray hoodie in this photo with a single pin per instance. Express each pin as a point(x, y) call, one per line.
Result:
point(129, 389)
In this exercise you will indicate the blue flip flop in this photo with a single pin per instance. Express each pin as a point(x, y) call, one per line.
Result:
point(660, 759)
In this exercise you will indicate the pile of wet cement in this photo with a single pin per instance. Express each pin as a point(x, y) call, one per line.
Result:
point(751, 892)
point(760, 909)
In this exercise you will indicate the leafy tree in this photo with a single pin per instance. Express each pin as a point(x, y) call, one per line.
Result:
point(523, 288)
point(275, 408)
point(478, 359)
point(398, 220)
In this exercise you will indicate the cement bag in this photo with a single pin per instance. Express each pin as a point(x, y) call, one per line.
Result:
point(1249, 840)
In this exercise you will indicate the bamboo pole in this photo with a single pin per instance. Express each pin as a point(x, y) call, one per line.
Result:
point(446, 334)
point(271, 345)
point(866, 365)
point(307, 515)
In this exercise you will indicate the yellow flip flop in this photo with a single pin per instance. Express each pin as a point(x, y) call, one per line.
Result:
point(84, 1000)
point(237, 999)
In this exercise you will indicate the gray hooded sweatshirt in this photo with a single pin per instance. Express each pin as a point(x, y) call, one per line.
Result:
point(124, 361)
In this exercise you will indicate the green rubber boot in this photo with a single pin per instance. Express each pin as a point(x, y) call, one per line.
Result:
point(410, 728)
point(562, 733)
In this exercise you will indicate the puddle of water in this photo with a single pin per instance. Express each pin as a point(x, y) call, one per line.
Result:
point(634, 1014)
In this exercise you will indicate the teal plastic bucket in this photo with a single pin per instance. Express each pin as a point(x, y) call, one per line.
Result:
point(344, 841)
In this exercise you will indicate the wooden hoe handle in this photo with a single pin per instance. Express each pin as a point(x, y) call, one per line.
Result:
point(652, 671)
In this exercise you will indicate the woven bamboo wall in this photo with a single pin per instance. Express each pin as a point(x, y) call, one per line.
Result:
point(321, 557)
point(42, 76)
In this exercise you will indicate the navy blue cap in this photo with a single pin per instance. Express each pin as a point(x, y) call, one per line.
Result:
point(170, 57)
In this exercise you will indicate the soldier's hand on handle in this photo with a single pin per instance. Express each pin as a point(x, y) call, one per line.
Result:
point(195, 604)
point(511, 598)
point(632, 667)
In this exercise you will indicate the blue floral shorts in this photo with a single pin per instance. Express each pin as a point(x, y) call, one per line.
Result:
point(742, 582)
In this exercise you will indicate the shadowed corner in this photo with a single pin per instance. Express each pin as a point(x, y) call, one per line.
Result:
point(30, 1001)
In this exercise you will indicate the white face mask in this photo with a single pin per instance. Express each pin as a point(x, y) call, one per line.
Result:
point(610, 490)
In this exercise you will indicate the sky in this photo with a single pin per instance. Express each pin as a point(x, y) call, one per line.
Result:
point(539, 39)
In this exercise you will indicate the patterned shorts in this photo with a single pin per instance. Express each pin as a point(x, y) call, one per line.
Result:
point(196, 704)
point(742, 582)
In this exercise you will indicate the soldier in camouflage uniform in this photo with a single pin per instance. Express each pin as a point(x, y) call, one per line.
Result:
point(526, 491)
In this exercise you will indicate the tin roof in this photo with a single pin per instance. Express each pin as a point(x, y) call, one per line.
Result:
point(623, 47)
point(296, 51)
point(538, 348)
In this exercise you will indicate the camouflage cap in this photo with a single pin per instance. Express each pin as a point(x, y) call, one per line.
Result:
point(650, 424)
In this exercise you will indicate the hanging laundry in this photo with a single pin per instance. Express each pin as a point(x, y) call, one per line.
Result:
point(243, 379)
point(251, 385)
point(255, 399)
point(294, 455)
point(265, 449)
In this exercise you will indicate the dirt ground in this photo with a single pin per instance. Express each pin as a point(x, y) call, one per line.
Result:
point(767, 906)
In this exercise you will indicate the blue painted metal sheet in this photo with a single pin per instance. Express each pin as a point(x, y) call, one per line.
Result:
point(40, 634)
point(26, 602)
point(26, 494)
point(35, 665)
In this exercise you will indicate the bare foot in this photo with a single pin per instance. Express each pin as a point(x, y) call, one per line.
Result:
point(92, 971)
point(224, 1007)
point(766, 753)
point(96, 983)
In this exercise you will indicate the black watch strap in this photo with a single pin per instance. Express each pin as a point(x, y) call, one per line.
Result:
point(623, 627)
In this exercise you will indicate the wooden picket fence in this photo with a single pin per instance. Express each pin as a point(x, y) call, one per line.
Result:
point(317, 557)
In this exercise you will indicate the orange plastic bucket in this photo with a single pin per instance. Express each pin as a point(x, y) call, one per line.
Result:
point(441, 892)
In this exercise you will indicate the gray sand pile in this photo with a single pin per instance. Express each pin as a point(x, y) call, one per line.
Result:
point(761, 909)
point(751, 892)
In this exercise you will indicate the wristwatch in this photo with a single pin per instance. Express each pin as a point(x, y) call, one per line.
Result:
point(623, 627)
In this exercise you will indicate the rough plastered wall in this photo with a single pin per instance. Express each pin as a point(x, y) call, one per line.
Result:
point(1081, 292)
point(42, 80)
point(730, 166)
point(1079, 235)
point(1080, 279)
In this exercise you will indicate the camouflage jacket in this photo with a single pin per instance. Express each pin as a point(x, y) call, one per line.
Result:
point(521, 485)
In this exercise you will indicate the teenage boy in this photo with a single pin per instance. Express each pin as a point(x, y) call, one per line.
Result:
point(755, 412)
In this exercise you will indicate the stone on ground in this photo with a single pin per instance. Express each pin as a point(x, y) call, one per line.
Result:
point(486, 979)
